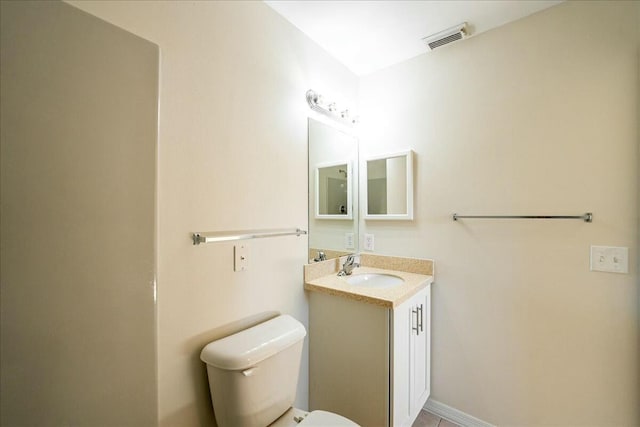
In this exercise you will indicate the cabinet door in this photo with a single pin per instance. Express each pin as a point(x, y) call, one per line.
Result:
point(411, 334)
point(420, 351)
point(403, 321)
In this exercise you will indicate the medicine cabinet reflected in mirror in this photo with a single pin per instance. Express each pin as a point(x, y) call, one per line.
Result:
point(333, 191)
point(334, 183)
point(388, 186)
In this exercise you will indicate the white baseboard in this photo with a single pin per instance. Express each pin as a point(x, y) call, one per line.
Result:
point(454, 415)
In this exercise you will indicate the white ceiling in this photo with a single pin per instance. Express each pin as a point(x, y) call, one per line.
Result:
point(369, 35)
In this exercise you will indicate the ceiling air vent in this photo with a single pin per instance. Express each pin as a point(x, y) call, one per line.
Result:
point(447, 36)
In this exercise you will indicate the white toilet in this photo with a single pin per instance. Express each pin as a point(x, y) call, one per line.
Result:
point(253, 376)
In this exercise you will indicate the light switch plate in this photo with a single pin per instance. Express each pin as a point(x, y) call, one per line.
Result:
point(240, 257)
point(611, 259)
point(368, 242)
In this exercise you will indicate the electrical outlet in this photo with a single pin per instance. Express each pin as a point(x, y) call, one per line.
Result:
point(611, 259)
point(240, 257)
point(368, 242)
point(349, 241)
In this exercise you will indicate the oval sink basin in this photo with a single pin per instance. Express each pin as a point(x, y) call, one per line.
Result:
point(374, 280)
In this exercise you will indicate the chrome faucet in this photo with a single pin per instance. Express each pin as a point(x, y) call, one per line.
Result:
point(348, 266)
point(321, 257)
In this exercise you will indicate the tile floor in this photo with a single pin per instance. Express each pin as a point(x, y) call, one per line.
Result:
point(427, 419)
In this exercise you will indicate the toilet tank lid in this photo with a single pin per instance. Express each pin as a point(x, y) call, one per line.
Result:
point(251, 346)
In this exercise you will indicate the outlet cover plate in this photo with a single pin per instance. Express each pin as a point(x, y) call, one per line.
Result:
point(349, 240)
point(368, 242)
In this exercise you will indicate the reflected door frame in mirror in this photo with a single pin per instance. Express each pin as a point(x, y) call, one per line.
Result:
point(402, 181)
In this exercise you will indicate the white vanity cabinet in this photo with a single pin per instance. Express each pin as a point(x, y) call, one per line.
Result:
point(367, 362)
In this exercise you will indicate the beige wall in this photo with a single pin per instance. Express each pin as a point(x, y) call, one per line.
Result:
point(537, 117)
point(233, 122)
point(78, 129)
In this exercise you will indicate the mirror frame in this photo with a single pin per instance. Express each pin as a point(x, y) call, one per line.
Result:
point(349, 215)
point(408, 155)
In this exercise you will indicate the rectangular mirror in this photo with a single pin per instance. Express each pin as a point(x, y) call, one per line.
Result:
point(388, 187)
point(333, 191)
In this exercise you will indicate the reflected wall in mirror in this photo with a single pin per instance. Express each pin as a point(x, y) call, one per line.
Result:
point(334, 183)
point(388, 186)
point(333, 191)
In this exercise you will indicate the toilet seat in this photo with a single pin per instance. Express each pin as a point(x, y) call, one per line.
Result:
point(295, 417)
point(326, 419)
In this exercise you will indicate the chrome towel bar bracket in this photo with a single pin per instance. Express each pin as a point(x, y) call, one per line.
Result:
point(588, 217)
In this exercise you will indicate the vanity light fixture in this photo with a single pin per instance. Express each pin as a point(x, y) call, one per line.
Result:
point(316, 103)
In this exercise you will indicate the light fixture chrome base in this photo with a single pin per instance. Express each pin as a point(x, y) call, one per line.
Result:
point(316, 103)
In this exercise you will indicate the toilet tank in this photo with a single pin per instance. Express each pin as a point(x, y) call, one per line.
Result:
point(253, 374)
